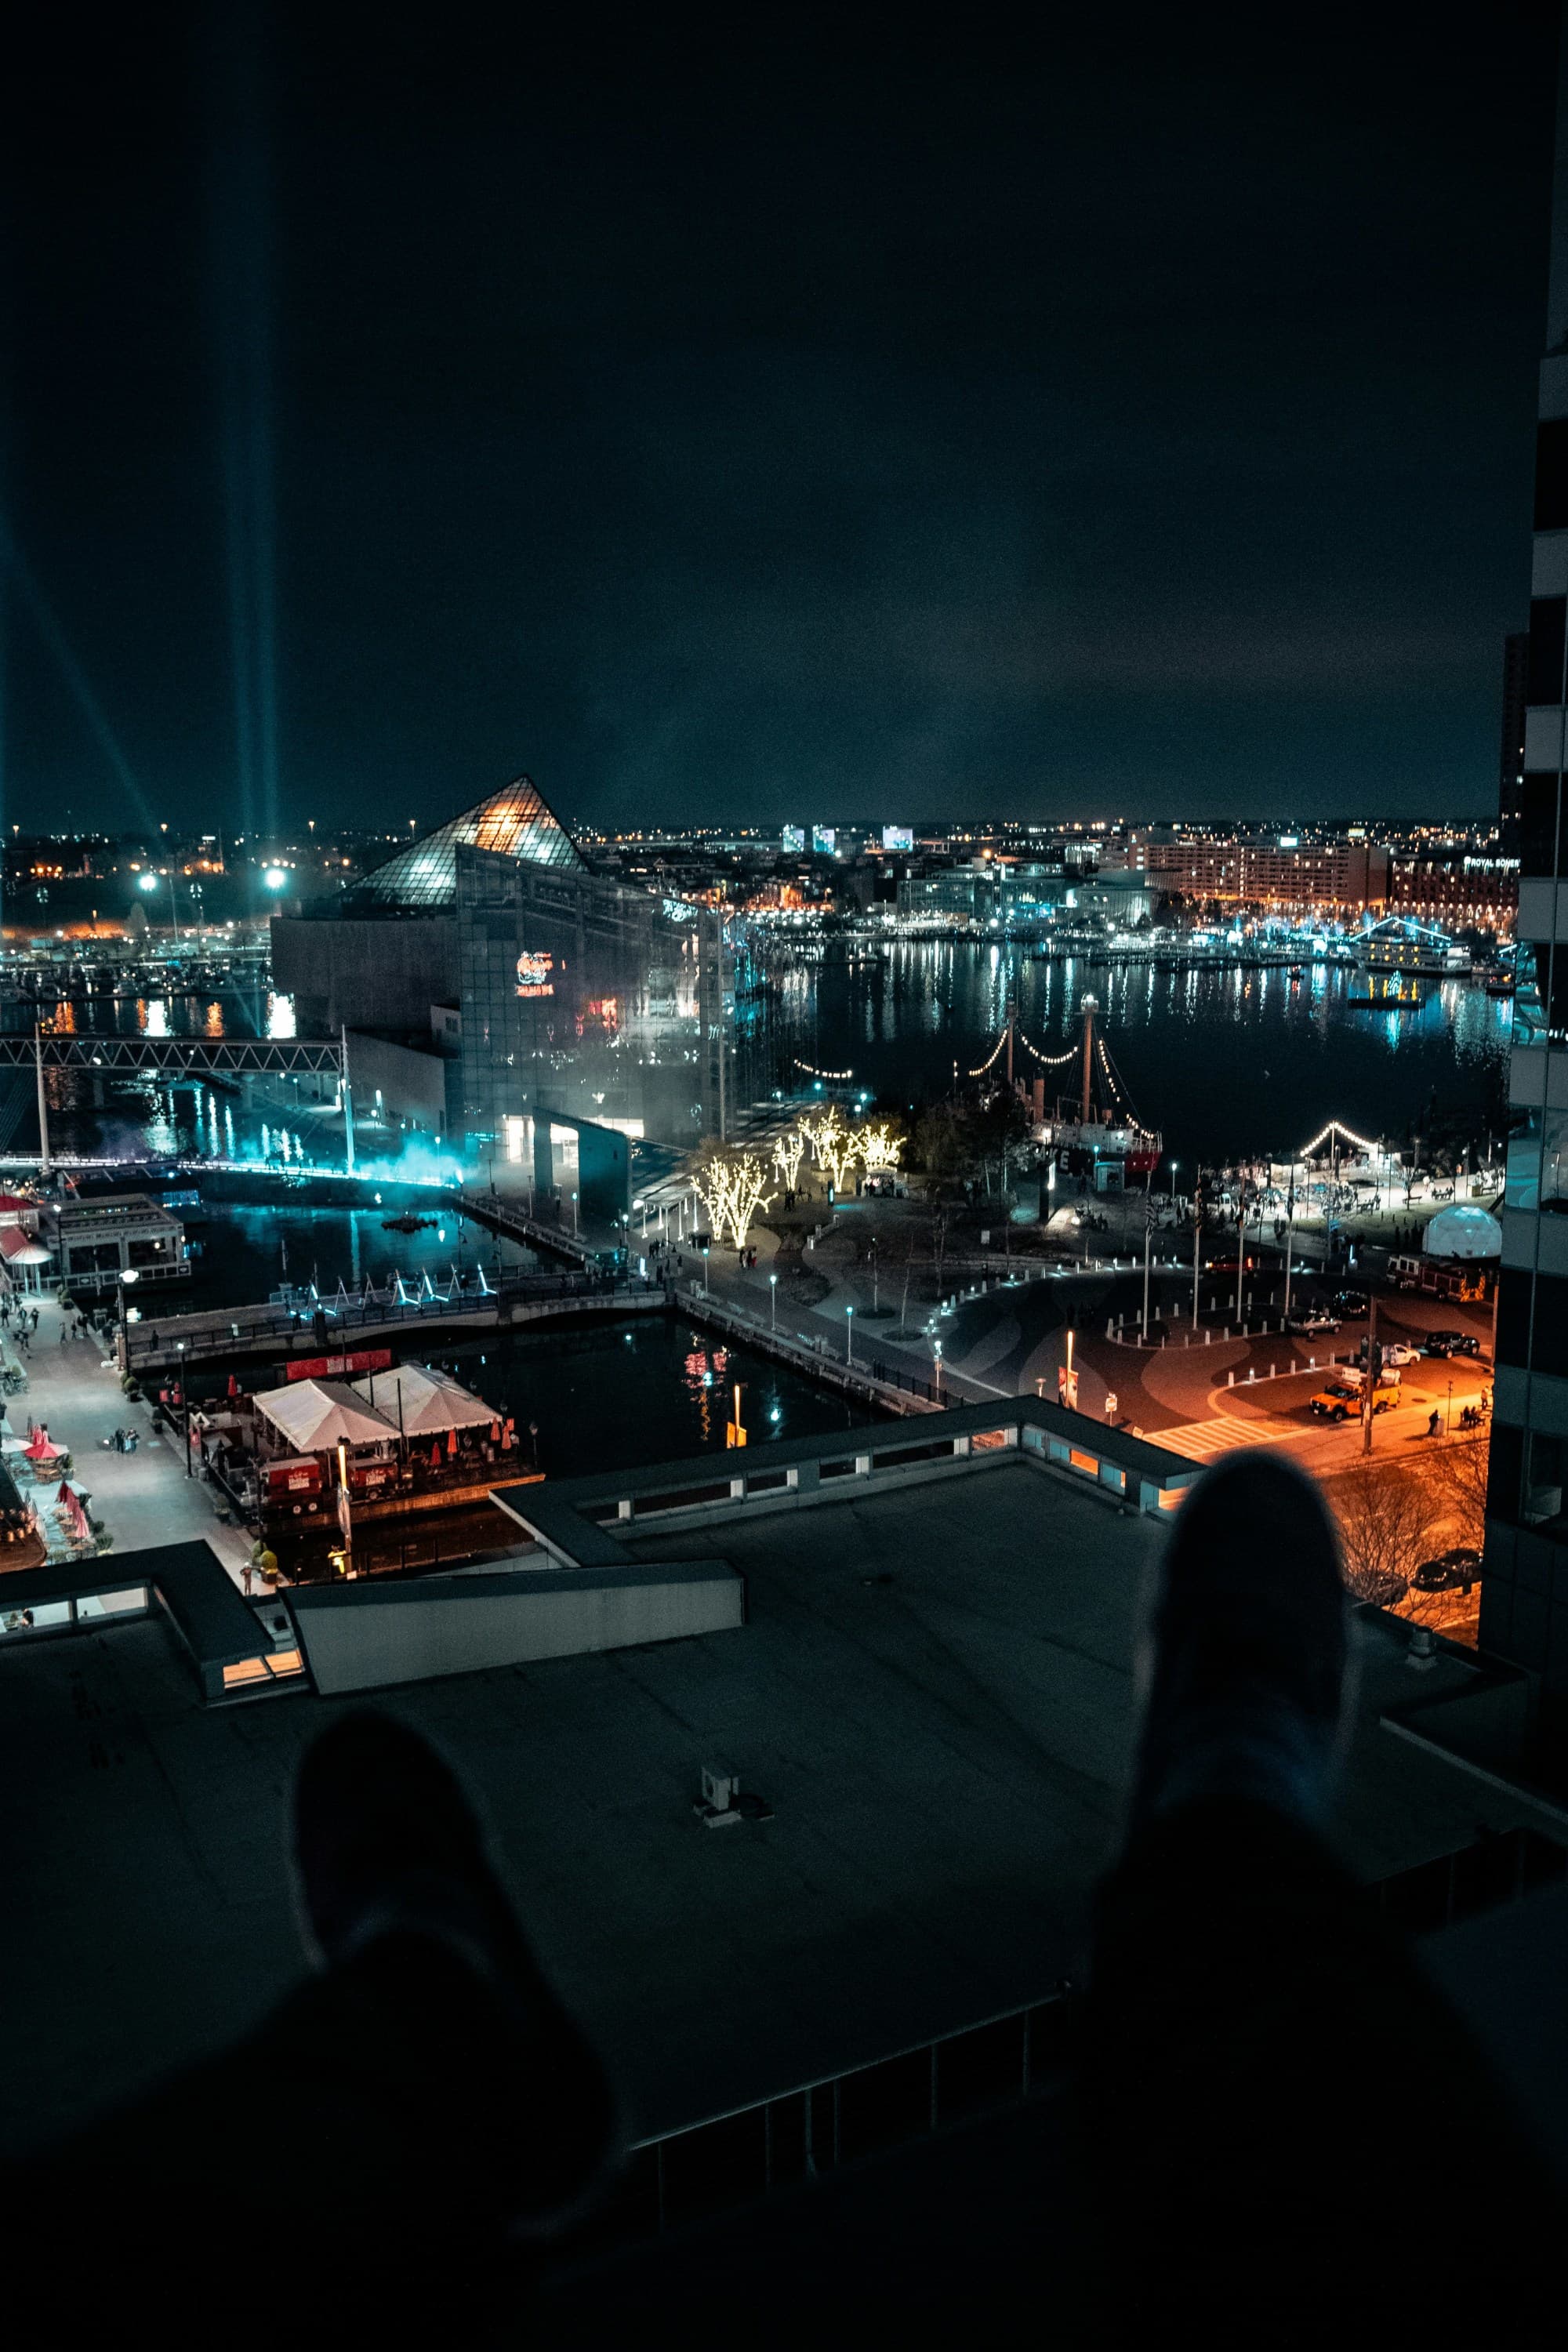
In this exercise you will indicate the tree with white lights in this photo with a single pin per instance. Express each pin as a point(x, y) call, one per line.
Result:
point(880, 1145)
point(789, 1150)
point(748, 1194)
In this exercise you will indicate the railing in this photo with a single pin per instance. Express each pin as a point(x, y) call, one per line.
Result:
point(813, 1356)
point(187, 1340)
point(734, 2160)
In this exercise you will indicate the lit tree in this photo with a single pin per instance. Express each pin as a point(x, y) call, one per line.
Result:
point(748, 1194)
point(839, 1154)
point(711, 1183)
point(789, 1150)
point(823, 1134)
point(733, 1188)
point(881, 1147)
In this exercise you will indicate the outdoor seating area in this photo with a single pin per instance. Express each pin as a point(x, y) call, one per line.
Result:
point(287, 1456)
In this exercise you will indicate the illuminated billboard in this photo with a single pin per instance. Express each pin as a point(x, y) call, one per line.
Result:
point(793, 839)
point(824, 839)
point(533, 975)
point(898, 836)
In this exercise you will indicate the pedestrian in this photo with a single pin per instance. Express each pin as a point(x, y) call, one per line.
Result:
point(245, 1574)
point(65, 1335)
point(35, 1318)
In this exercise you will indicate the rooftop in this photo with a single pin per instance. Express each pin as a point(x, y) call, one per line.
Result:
point(516, 822)
point(933, 1691)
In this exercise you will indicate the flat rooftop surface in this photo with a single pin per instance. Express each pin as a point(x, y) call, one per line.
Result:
point(934, 1693)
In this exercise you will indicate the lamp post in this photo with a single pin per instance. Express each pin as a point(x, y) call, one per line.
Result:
point(849, 1333)
point(704, 1269)
point(773, 1302)
point(936, 1366)
point(573, 1216)
point(1197, 1236)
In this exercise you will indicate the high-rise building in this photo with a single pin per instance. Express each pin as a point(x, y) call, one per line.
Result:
point(1511, 765)
point(1524, 1608)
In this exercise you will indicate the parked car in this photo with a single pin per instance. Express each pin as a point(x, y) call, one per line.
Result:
point(1451, 1343)
point(1385, 1588)
point(1311, 1320)
point(1451, 1571)
point(1352, 1305)
point(1396, 1353)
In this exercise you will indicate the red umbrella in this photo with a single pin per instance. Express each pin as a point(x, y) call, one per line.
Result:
point(451, 1441)
point(436, 1456)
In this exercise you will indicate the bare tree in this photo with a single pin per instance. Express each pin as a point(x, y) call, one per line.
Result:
point(1458, 1476)
point(1387, 1517)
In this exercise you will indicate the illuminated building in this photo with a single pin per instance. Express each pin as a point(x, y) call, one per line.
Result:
point(484, 972)
point(1342, 877)
point(1524, 1596)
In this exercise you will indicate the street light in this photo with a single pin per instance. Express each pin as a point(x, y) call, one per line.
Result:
point(704, 1269)
point(773, 1302)
point(850, 1331)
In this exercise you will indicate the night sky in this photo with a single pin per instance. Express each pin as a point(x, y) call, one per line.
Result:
point(766, 425)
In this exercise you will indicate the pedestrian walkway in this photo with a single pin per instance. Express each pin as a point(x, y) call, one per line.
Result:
point(143, 1499)
point(1222, 1432)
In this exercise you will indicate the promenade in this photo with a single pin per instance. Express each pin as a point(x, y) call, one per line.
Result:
point(143, 1499)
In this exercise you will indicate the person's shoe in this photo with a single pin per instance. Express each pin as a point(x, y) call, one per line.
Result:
point(386, 1844)
point(1246, 1681)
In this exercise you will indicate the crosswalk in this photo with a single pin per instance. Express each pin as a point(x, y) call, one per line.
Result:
point(1221, 1433)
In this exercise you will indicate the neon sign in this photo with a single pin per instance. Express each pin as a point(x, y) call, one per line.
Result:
point(533, 972)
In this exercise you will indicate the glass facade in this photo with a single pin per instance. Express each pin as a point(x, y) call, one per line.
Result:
point(515, 822)
point(492, 950)
point(1524, 1593)
point(582, 996)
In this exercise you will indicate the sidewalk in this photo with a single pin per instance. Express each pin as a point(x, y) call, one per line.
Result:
point(143, 1499)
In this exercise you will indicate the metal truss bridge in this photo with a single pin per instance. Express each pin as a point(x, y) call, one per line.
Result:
point(233, 1057)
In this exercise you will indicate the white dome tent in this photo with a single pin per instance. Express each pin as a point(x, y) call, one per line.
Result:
point(1463, 1232)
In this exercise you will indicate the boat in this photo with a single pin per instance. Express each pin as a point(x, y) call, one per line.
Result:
point(1295, 972)
point(407, 1223)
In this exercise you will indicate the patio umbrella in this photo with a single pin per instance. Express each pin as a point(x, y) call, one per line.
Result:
point(451, 1441)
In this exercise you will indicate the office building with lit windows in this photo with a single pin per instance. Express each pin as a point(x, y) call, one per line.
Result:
point(1524, 1608)
point(484, 974)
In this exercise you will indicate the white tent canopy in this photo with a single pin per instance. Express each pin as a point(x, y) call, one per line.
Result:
point(423, 1402)
point(314, 1416)
point(1464, 1231)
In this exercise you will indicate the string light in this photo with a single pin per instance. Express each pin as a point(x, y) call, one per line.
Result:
point(996, 1049)
point(812, 1071)
point(1336, 1126)
point(1051, 1061)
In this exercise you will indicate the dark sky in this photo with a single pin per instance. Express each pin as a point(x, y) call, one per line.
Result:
point(766, 425)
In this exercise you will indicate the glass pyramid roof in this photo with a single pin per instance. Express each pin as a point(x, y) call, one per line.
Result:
point(515, 821)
